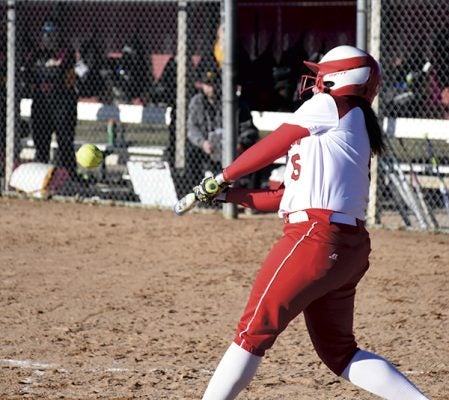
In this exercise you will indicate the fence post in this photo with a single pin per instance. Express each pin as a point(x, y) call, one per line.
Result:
point(361, 24)
point(229, 96)
point(374, 49)
point(181, 82)
point(10, 91)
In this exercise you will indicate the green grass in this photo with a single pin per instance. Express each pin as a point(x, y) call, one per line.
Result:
point(137, 134)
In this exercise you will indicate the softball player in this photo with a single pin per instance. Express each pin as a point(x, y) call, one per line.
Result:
point(316, 265)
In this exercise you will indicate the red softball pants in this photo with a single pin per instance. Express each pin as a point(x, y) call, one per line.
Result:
point(314, 268)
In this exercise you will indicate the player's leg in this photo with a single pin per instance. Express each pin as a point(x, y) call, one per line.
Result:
point(297, 270)
point(379, 376)
point(329, 321)
point(308, 262)
point(240, 362)
point(234, 372)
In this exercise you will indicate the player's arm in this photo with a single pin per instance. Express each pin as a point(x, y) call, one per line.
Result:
point(265, 152)
point(259, 199)
point(258, 156)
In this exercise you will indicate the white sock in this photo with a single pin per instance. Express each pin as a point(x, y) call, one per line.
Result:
point(378, 376)
point(234, 372)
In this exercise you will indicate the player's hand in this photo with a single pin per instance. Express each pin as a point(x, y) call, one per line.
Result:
point(207, 147)
point(208, 189)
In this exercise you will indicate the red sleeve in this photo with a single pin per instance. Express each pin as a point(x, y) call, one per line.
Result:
point(265, 152)
point(258, 199)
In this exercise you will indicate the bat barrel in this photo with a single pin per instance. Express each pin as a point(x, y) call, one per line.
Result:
point(185, 204)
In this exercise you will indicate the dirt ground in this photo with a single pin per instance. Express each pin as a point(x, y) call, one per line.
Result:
point(103, 302)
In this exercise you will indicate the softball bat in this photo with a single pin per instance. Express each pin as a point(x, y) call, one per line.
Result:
point(185, 204)
point(190, 200)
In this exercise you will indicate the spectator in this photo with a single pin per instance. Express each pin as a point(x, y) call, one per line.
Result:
point(444, 103)
point(164, 92)
point(136, 75)
point(204, 118)
point(410, 94)
point(259, 90)
point(438, 88)
point(313, 50)
point(287, 73)
point(213, 60)
point(54, 107)
point(89, 67)
point(205, 128)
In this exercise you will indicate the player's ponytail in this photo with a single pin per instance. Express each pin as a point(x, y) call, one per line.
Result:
point(372, 125)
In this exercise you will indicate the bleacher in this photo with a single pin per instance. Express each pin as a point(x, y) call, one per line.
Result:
point(407, 139)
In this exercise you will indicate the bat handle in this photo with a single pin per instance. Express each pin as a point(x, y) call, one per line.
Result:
point(185, 204)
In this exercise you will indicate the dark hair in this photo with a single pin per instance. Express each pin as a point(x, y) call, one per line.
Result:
point(373, 127)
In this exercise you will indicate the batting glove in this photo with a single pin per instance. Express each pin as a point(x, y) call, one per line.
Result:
point(208, 189)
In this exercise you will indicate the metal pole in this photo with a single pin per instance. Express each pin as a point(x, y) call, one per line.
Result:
point(10, 91)
point(181, 84)
point(361, 24)
point(229, 95)
point(374, 49)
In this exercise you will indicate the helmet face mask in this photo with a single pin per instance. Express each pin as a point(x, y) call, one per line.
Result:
point(307, 84)
point(344, 71)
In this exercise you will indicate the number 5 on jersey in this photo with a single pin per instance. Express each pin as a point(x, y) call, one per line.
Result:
point(296, 166)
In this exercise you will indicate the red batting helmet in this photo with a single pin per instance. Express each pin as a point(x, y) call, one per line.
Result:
point(344, 71)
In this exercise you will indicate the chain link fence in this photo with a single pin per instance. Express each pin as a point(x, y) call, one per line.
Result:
point(414, 107)
point(107, 72)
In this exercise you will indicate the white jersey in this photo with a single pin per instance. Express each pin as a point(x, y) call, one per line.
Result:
point(330, 168)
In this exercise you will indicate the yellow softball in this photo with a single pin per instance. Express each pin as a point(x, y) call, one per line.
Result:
point(89, 156)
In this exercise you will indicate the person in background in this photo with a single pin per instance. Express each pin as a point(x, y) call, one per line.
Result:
point(212, 60)
point(315, 267)
point(205, 129)
point(438, 85)
point(89, 69)
point(136, 76)
point(164, 92)
point(54, 106)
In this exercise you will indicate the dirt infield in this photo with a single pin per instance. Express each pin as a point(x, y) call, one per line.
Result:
point(102, 302)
